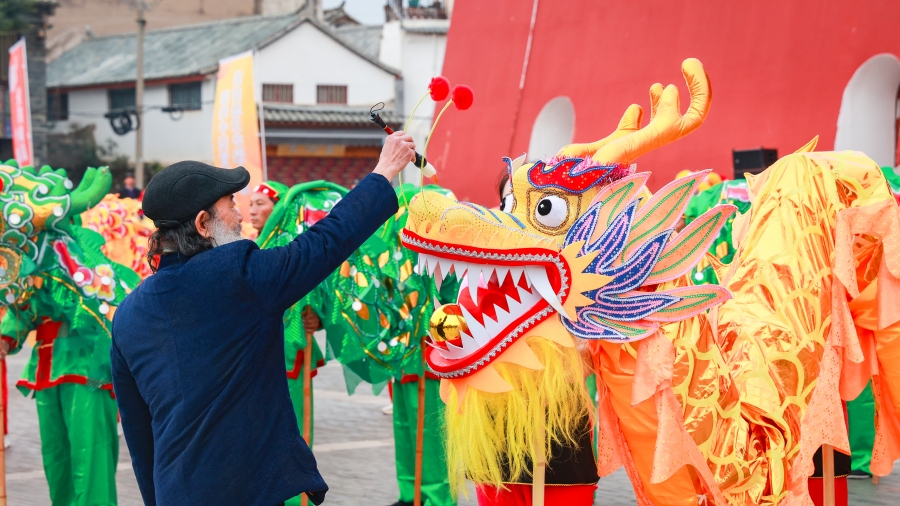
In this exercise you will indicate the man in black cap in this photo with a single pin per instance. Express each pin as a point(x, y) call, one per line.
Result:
point(198, 351)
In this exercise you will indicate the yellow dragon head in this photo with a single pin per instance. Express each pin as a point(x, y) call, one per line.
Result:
point(580, 249)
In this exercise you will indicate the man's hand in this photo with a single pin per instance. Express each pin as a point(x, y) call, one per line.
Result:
point(4, 349)
point(398, 151)
point(311, 322)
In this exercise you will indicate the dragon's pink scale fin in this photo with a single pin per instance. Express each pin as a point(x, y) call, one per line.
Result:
point(615, 197)
point(685, 250)
point(694, 300)
point(663, 210)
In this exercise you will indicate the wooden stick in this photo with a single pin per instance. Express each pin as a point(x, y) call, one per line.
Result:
point(827, 475)
point(539, 471)
point(874, 480)
point(420, 433)
point(3, 442)
point(307, 398)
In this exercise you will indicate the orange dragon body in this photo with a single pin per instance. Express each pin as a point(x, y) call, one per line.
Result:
point(717, 394)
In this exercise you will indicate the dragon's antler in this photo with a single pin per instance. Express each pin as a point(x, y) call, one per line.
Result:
point(630, 123)
point(667, 124)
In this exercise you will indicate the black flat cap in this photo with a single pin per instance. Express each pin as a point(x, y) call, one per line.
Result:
point(183, 189)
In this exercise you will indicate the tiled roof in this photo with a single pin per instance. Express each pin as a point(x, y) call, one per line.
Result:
point(333, 117)
point(365, 37)
point(427, 30)
point(178, 52)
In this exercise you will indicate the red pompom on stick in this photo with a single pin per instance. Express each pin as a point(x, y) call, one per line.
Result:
point(462, 97)
point(439, 88)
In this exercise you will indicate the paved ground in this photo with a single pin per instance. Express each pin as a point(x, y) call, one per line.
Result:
point(353, 445)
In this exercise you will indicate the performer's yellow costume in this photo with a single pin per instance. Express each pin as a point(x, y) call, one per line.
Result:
point(706, 393)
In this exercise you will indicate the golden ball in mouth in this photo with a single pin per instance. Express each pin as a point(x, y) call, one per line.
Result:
point(447, 324)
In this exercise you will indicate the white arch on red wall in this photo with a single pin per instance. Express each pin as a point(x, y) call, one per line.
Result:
point(868, 117)
point(553, 128)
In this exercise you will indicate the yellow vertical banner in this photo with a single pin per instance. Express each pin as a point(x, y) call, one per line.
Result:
point(235, 132)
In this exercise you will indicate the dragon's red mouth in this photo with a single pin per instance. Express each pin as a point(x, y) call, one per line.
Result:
point(503, 294)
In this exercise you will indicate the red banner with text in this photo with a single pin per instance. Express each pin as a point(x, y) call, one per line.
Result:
point(19, 105)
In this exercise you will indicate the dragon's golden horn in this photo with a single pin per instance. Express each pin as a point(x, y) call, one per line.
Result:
point(810, 146)
point(656, 92)
point(668, 124)
point(630, 122)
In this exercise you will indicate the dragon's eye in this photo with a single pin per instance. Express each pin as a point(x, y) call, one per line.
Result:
point(551, 211)
point(507, 203)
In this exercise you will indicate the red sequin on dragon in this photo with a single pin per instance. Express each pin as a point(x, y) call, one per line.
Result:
point(574, 175)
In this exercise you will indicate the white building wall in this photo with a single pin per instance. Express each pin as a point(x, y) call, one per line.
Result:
point(169, 138)
point(165, 140)
point(391, 50)
point(419, 57)
point(306, 57)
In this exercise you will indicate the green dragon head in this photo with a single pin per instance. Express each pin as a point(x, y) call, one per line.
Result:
point(45, 254)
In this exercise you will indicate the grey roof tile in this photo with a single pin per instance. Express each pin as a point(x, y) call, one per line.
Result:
point(178, 52)
point(366, 37)
point(427, 30)
point(334, 117)
point(170, 52)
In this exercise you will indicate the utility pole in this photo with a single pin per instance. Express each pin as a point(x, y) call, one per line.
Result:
point(139, 99)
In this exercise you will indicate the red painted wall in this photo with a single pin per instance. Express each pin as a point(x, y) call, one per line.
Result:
point(778, 70)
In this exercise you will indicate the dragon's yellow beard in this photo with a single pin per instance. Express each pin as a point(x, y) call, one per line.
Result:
point(486, 429)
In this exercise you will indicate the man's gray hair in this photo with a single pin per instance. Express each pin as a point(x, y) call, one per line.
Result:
point(183, 239)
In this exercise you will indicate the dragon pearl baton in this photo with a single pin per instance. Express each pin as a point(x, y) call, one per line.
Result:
point(420, 162)
point(439, 89)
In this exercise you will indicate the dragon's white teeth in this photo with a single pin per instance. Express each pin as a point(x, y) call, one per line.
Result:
point(433, 264)
point(537, 276)
point(469, 343)
point(515, 308)
point(420, 263)
point(502, 272)
point(474, 276)
point(494, 327)
point(460, 269)
point(475, 327)
point(516, 273)
point(438, 277)
point(452, 351)
point(446, 267)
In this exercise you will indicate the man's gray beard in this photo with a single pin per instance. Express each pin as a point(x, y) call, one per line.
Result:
point(222, 235)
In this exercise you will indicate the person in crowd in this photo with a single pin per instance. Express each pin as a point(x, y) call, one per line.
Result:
point(128, 190)
point(198, 348)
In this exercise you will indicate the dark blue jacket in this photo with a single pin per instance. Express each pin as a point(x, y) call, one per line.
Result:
point(198, 363)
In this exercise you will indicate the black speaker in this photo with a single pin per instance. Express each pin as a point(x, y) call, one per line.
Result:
point(753, 161)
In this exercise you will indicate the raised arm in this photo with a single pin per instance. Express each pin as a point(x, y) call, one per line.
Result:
point(282, 276)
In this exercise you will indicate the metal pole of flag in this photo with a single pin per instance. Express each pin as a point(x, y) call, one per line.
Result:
point(261, 113)
point(139, 99)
